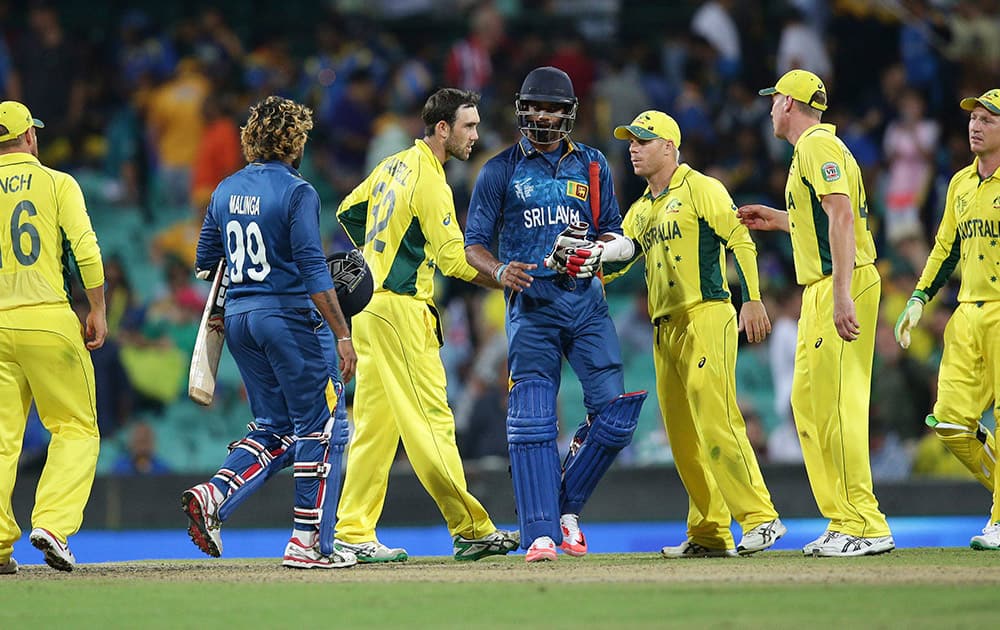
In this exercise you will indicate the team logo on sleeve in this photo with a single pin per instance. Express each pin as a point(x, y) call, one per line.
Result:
point(831, 172)
point(578, 190)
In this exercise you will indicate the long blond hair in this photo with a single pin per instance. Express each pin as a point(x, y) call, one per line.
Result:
point(277, 129)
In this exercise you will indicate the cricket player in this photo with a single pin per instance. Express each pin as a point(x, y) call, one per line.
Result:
point(969, 380)
point(403, 217)
point(281, 316)
point(43, 350)
point(682, 224)
point(834, 255)
point(536, 198)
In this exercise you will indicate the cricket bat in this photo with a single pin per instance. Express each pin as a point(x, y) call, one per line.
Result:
point(208, 344)
point(595, 202)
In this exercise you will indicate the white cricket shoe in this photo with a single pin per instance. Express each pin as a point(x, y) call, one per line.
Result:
point(850, 546)
point(989, 540)
point(542, 549)
point(761, 537)
point(9, 567)
point(57, 554)
point(306, 555)
point(372, 551)
point(812, 547)
point(691, 549)
point(201, 504)
point(573, 543)
point(499, 543)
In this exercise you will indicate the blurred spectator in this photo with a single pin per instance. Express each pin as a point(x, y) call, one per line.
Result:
point(469, 65)
point(141, 457)
point(801, 46)
point(714, 21)
point(218, 155)
point(175, 121)
point(910, 141)
point(902, 395)
point(350, 130)
point(783, 440)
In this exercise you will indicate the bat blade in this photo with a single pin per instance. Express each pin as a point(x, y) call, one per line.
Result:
point(208, 344)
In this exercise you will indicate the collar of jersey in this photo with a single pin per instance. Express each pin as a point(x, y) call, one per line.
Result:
point(529, 149)
point(676, 180)
point(819, 127)
point(17, 158)
point(974, 170)
point(428, 155)
point(279, 163)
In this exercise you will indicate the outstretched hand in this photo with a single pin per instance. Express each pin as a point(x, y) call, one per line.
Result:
point(759, 217)
point(515, 275)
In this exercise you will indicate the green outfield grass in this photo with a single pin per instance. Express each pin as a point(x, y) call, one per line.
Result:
point(915, 588)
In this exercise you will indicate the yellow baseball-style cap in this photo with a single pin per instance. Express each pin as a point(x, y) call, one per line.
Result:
point(17, 119)
point(649, 125)
point(801, 85)
point(990, 100)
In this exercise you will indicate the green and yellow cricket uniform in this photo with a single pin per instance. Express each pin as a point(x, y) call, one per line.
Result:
point(403, 218)
point(832, 382)
point(684, 232)
point(43, 222)
point(969, 378)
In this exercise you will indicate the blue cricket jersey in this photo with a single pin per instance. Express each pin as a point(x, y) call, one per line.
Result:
point(265, 220)
point(528, 198)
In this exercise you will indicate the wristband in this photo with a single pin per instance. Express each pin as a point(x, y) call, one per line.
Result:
point(498, 272)
point(919, 295)
point(347, 338)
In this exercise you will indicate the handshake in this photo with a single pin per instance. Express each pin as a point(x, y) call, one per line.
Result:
point(573, 254)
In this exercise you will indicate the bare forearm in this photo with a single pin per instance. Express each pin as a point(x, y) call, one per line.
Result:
point(842, 250)
point(485, 263)
point(96, 298)
point(328, 305)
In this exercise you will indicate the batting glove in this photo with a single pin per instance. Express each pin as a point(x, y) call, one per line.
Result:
point(572, 237)
point(585, 261)
point(909, 317)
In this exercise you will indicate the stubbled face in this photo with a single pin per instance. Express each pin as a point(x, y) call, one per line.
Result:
point(779, 115)
point(984, 131)
point(464, 133)
point(649, 156)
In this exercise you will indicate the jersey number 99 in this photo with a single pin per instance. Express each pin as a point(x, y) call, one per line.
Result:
point(243, 244)
point(19, 228)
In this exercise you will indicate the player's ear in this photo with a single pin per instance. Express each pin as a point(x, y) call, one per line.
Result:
point(442, 128)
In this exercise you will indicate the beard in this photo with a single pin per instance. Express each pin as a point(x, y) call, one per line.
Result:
point(456, 149)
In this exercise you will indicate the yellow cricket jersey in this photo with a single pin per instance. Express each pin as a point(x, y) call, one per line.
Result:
point(823, 165)
point(683, 233)
point(969, 236)
point(43, 222)
point(403, 218)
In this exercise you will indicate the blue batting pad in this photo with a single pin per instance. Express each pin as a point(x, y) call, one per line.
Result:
point(532, 429)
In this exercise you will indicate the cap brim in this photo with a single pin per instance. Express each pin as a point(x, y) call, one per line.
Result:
point(969, 104)
point(37, 122)
point(768, 91)
point(627, 131)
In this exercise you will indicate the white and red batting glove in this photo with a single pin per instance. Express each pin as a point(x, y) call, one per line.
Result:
point(585, 261)
point(570, 238)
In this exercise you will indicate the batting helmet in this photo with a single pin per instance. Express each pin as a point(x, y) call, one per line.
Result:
point(352, 279)
point(546, 86)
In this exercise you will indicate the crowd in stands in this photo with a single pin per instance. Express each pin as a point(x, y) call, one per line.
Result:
point(144, 106)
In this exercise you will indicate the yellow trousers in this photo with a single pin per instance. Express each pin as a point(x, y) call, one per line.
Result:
point(42, 356)
point(400, 394)
point(695, 361)
point(830, 395)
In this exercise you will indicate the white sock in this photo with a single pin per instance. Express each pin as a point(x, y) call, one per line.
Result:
point(305, 536)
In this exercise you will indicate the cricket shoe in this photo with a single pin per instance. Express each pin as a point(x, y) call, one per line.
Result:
point(57, 554)
point(499, 543)
point(306, 555)
point(9, 567)
point(988, 541)
point(691, 549)
point(761, 537)
point(573, 543)
point(812, 547)
point(201, 504)
point(372, 551)
point(852, 546)
point(542, 548)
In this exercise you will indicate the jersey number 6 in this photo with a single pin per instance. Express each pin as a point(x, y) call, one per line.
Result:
point(19, 229)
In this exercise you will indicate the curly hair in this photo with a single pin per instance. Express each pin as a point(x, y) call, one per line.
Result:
point(277, 129)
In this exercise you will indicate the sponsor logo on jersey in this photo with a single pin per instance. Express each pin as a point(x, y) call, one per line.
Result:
point(961, 203)
point(674, 205)
point(996, 203)
point(831, 172)
point(447, 219)
point(578, 190)
point(550, 215)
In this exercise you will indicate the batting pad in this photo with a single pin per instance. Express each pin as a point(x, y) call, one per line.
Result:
point(250, 463)
point(976, 449)
point(610, 431)
point(532, 429)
